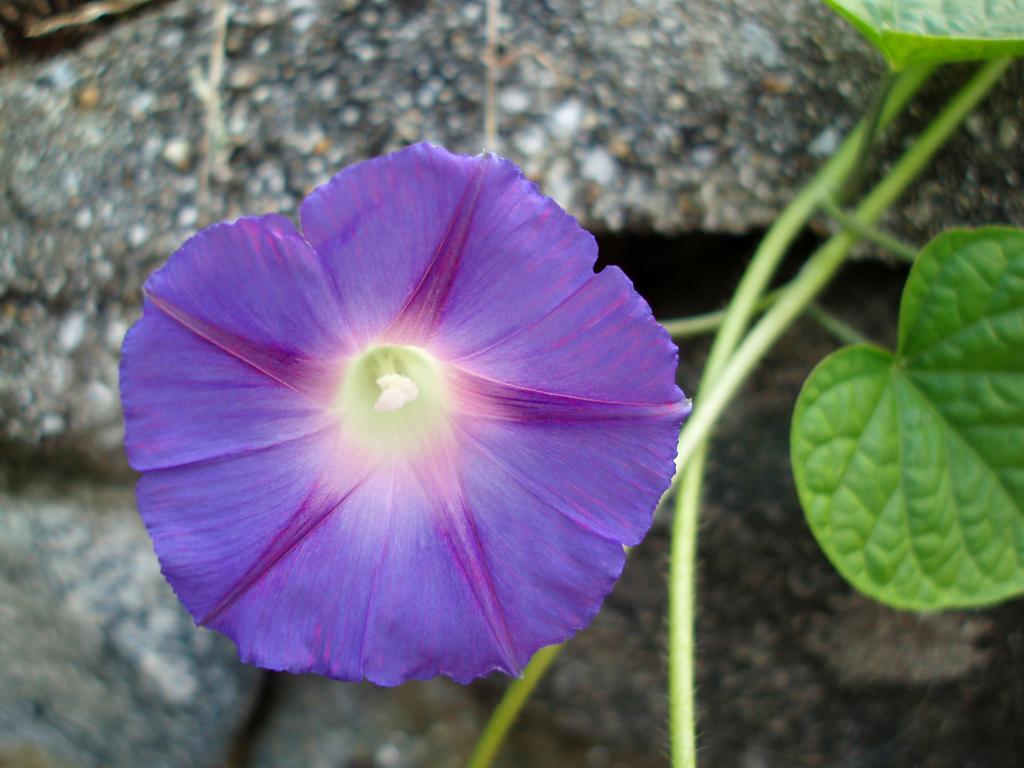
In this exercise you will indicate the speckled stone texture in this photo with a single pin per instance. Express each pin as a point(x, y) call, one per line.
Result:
point(658, 115)
point(101, 666)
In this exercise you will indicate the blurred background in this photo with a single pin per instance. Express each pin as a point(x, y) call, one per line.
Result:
point(673, 129)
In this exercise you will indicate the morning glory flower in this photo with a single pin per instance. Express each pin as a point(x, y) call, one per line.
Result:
point(410, 439)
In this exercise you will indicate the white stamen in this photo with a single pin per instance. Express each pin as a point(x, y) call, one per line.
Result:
point(395, 391)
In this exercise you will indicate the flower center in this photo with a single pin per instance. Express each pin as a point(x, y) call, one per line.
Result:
point(392, 400)
point(395, 391)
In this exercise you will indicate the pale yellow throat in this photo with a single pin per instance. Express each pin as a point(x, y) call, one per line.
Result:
point(393, 400)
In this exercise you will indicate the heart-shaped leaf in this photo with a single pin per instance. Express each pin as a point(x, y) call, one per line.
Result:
point(936, 31)
point(910, 466)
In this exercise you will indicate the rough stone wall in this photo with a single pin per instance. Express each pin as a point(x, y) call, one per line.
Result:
point(660, 116)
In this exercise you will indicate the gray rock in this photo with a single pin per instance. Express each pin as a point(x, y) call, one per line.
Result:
point(665, 116)
point(864, 642)
point(321, 723)
point(102, 666)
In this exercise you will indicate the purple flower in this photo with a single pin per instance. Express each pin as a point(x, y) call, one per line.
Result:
point(412, 439)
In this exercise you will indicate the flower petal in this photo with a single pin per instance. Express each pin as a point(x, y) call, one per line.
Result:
point(186, 399)
point(379, 224)
point(432, 609)
point(520, 257)
point(581, 407)
point(424, 244)
point(308, 575)
point(220, 525)
point(606, 475)
point(600, 344)
point(550, 569)
point(256, 289)
point(459, 568)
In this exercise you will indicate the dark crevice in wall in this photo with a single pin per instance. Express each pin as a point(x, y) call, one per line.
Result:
point(55, 464)
point(265, 699)
point(691, 273)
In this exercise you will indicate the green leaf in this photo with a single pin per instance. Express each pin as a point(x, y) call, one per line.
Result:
point(936, 31)
point(910, 466)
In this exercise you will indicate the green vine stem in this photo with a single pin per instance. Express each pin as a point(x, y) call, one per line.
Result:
point(508, 708)
point(685, 327)
point(873, 124)
point(721, 385)
point(695, 325)
point(746, 299)
point(872, 234)
point(839, 328)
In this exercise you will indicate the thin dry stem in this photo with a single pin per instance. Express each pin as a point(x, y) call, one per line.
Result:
point(208, 89)
point(81, 16)
point(492, 66)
